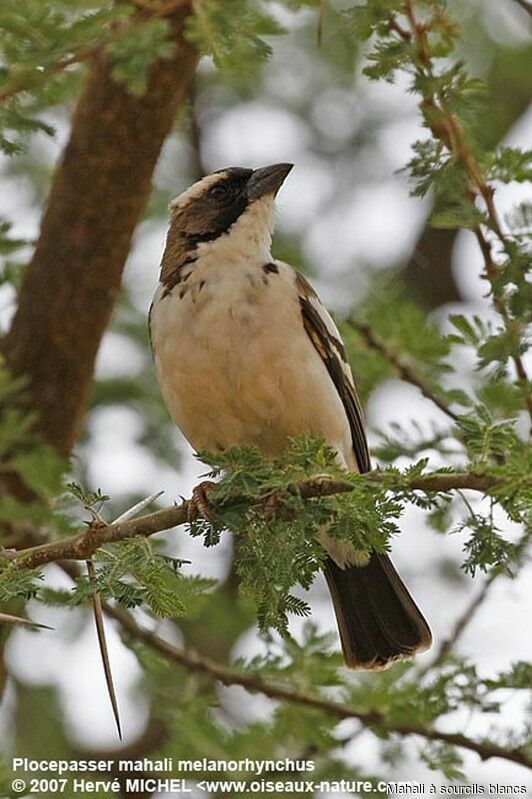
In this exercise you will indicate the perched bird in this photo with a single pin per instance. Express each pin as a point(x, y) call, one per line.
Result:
point(245, 353)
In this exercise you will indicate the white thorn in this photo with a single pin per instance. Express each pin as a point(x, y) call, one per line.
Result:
point(130, 512)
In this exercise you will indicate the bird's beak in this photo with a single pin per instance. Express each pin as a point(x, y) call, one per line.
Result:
point(267, 180)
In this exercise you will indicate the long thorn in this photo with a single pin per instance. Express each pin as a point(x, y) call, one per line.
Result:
point(135, 509)
point(102, 641)
point(9, 619)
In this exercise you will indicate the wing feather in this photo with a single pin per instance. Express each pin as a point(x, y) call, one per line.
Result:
point(326, 339)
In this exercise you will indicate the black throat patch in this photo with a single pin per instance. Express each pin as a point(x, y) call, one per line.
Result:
point(206, 217)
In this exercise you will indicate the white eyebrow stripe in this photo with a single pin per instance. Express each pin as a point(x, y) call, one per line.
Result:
point(196, 190)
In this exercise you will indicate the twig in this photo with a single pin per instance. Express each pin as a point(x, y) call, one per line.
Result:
point(48, 72)
point(84, 545)
point(405, 35)
point(407, 373)
point(372, 719)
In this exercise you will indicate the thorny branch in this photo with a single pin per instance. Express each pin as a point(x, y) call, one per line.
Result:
point(84, 545)
point(227, 675)
point(372, 719)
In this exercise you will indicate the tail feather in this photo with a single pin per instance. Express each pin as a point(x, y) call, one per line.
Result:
point(378, 620)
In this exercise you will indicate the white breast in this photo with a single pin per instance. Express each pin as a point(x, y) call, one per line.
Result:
point(235, 363)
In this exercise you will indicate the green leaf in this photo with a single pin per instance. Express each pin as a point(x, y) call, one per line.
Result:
point(511, 164)
point(133, 53)
point(235, 41)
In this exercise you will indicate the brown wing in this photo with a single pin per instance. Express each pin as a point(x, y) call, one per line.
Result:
point(321, 330)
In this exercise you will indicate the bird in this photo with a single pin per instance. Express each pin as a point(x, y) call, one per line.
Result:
point(246, 353)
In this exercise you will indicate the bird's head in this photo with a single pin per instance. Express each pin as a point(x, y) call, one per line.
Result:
point(233, 204)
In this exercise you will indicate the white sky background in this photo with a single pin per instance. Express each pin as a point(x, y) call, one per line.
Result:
point(378, 223)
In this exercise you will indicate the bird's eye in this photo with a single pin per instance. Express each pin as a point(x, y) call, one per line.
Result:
point(219, 192)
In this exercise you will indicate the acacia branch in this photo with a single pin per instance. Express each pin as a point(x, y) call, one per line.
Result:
point(373, 719)
point(48, 72)
point(405, 371)
point(84, 545)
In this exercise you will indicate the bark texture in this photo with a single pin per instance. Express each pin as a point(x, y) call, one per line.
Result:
point(98, 193)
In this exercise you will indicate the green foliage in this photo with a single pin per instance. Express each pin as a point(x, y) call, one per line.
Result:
point(519, 220)
point(91, 500)
point(487, 440)
point(134, 52)
point(440, 756)
point(486, 547)
point(133, 573)
point(278, 549)
point(16, 126)
point(372, 18)
point(510, 164)
point(411, 440)
point(451, 163)
point(235, 41)
point(10, 271)
point(18, 582)
point(402, 328)
point(39, 39)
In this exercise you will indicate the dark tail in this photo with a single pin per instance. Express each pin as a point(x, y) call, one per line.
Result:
point(378, 620)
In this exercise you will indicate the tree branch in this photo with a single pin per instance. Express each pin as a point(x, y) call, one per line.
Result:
point(49, 72)
point(228, 675)
point(373, 719)
point(97, 196)
point(406, 372)
point(84, 545)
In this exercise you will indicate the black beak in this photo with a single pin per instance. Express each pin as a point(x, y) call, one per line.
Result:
point(267, 180)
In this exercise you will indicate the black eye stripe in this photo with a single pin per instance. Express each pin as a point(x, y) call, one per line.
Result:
point(220, 190)
point(219, 221)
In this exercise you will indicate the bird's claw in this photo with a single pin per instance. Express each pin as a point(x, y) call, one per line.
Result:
point(199, 504)
point(272, 505)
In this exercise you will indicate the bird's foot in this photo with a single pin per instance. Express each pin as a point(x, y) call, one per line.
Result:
point(272, 505)
point(199, 504)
